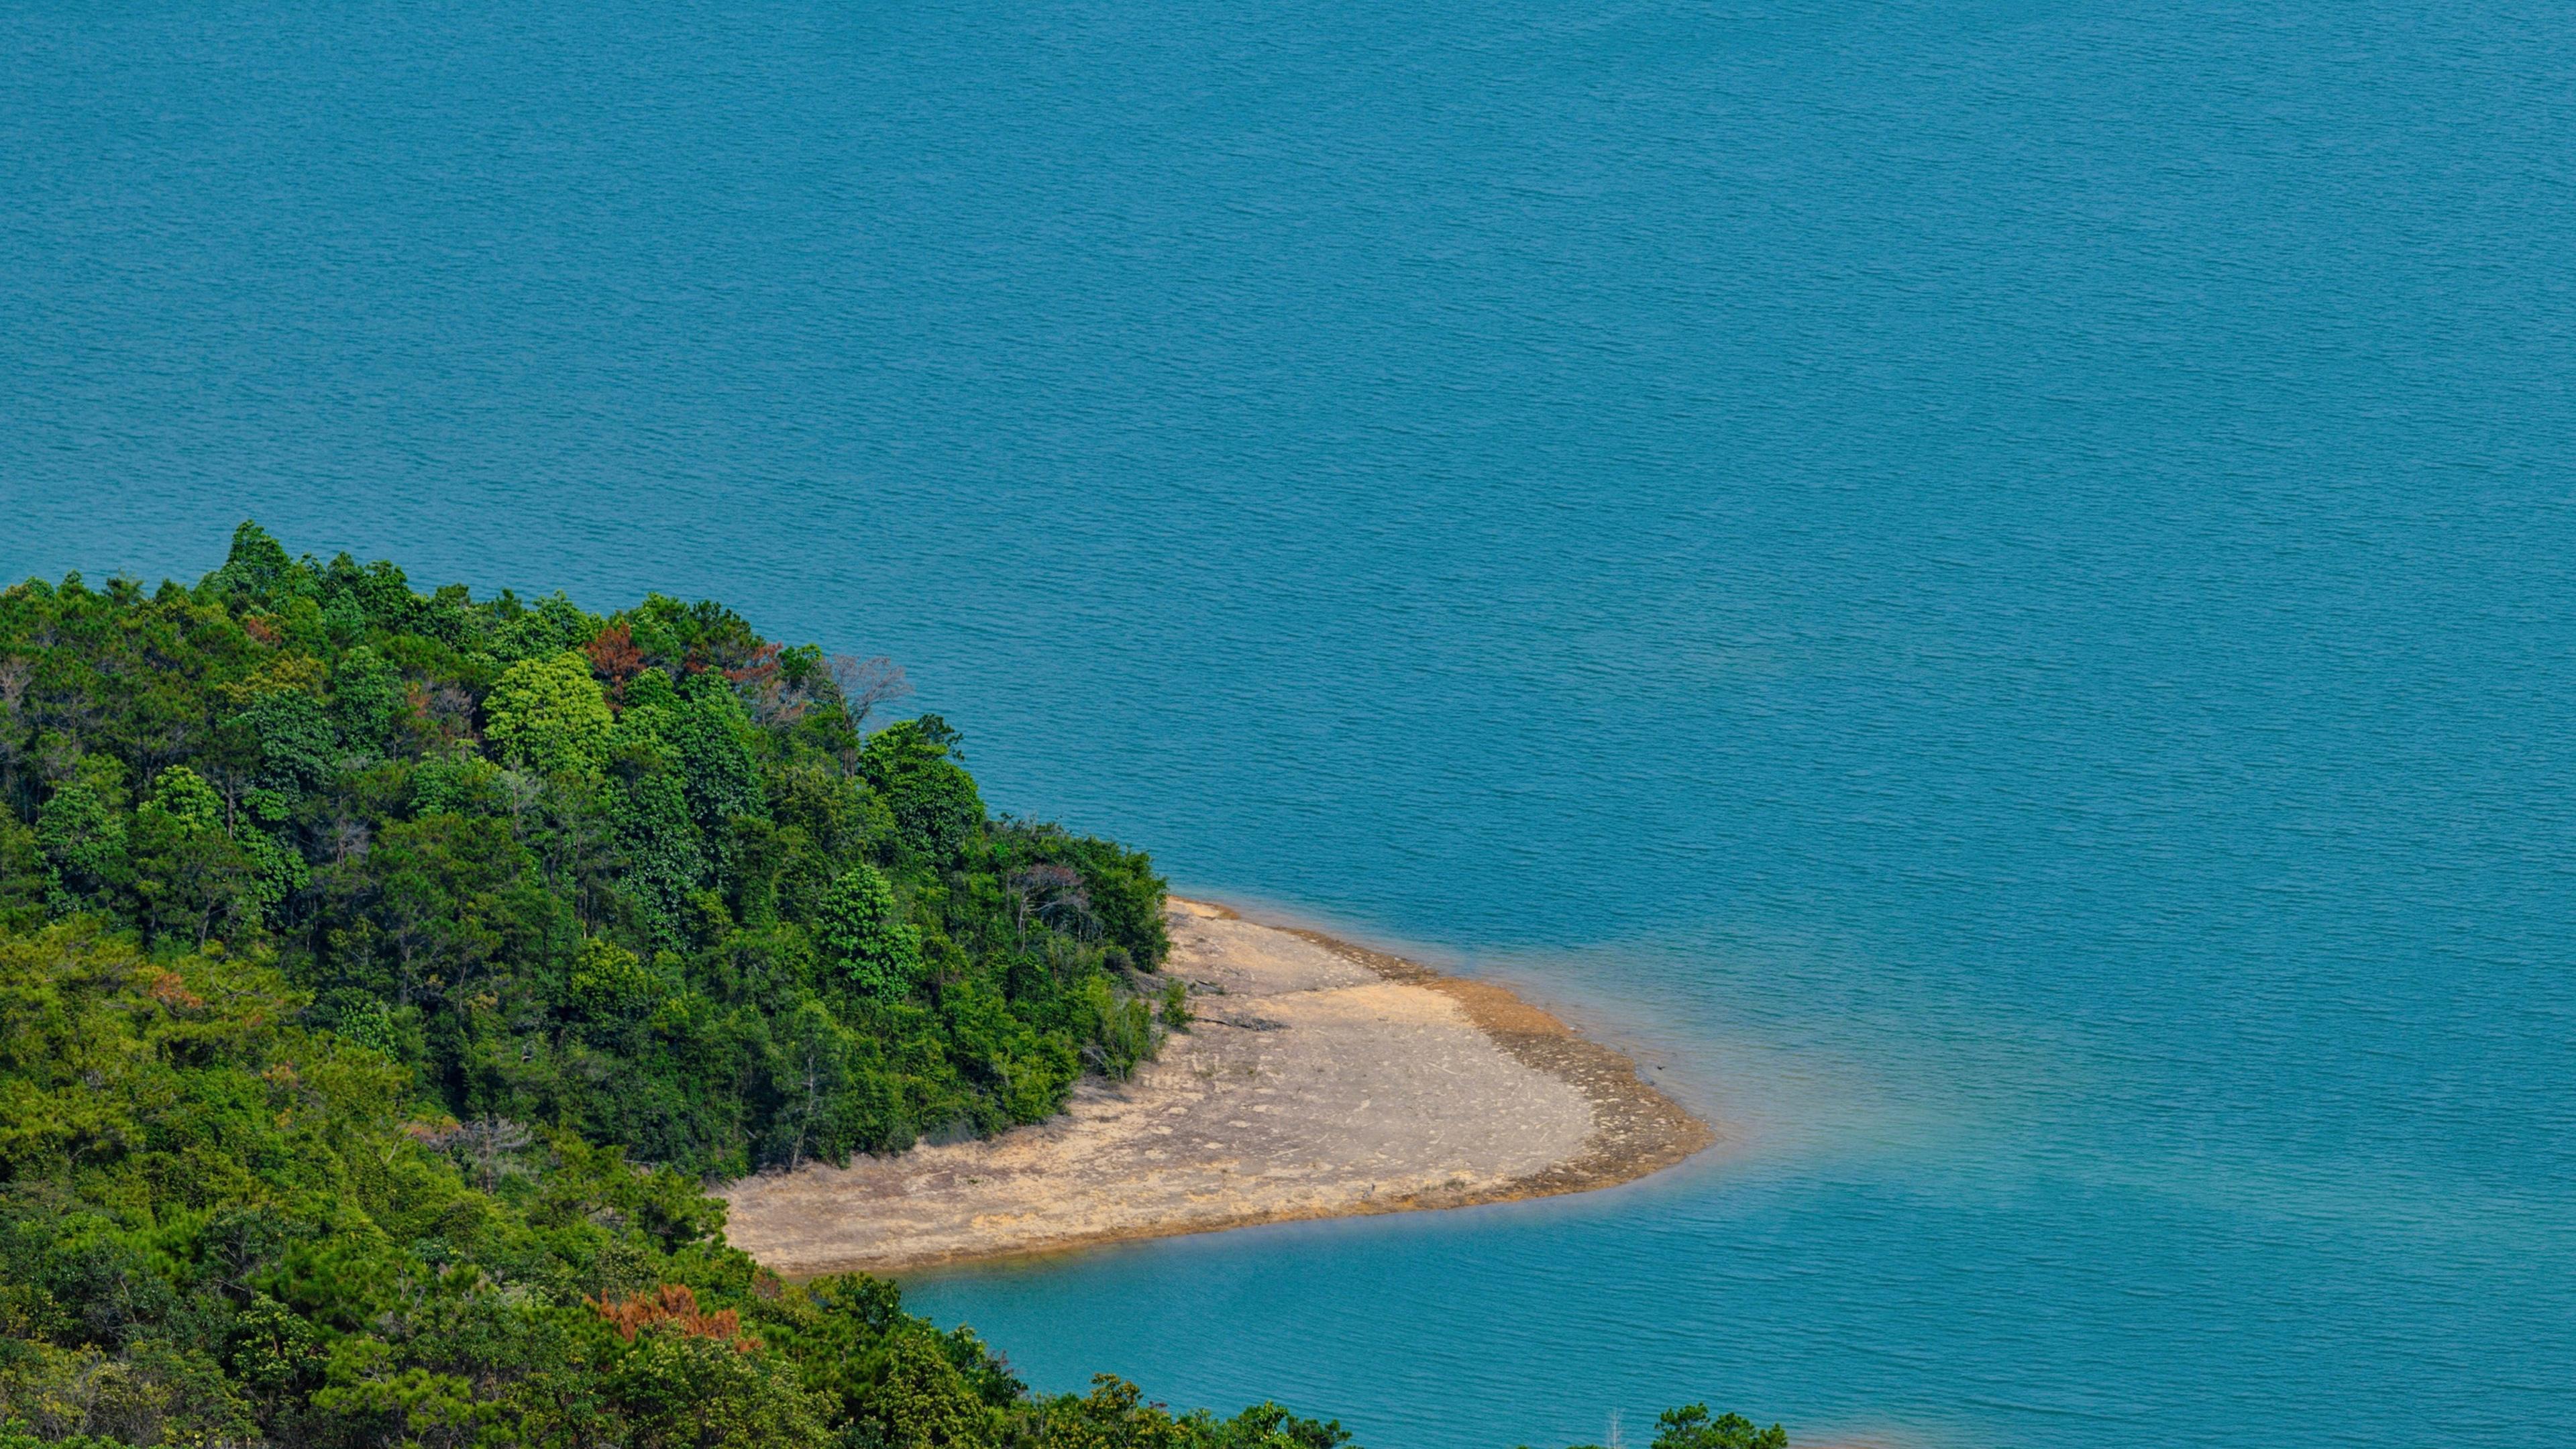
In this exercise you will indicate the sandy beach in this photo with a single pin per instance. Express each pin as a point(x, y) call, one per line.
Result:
point(1319, 1079)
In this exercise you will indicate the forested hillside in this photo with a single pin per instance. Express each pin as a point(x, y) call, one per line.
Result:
point(220, 1226)
point(383, 975)
point(641, 876)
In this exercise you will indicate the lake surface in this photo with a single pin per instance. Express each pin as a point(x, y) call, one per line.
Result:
point(1991, 587)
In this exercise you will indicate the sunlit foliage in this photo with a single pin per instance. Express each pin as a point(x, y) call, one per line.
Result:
point(639, 876)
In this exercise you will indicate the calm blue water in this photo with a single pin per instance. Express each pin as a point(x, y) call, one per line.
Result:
point(1987, 585)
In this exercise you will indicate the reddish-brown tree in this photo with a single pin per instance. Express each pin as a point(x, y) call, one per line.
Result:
point(614, 657)
point(675, 1304)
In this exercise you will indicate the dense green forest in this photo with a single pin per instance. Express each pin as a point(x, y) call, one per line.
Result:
point(642, 877)
point(383, 975)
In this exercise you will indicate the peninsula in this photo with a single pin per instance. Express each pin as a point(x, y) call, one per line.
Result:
point(390, 976)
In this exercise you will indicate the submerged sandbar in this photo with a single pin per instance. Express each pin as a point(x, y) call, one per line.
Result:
point(1320, 1079)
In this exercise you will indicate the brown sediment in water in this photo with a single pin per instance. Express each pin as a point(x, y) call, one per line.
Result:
point(1321, 1079)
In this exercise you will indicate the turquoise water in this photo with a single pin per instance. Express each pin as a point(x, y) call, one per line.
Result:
point(1986, 585)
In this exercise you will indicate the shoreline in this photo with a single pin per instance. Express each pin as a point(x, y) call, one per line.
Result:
point(1637, 1130)
point(1319, 1079)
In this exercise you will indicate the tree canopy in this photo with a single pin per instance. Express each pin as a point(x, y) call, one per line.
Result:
point(637, 876)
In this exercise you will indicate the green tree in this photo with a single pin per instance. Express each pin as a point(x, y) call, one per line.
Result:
point(611, 984)
point(864, 940)
point(182, 796)
point(436, 906)
point(681, 1390)
point(1126, 895)
point(258, 566)
point(367, 699)
point(25, 878)
point(713, 740)
point(188, 875)
point(809, 1073)
point(912, 765)
point(278, 870)
point(1267, 1426)
point(292, 733)
point(1690, 1427)
point(663, 855)
point(82, 836)
point(910, 1395)
point(548, 715)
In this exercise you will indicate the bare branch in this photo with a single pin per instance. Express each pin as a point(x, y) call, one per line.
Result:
point(1053, 894)
point(866, 683)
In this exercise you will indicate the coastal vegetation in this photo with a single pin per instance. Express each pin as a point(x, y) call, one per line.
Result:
point(384, 975)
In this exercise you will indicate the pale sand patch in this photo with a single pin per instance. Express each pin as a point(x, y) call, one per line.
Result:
point(1320, 1079)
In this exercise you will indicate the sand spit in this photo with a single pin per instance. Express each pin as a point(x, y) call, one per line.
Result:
point(1319, 1080)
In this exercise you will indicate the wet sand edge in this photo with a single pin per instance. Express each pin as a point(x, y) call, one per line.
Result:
point(1637, 1131)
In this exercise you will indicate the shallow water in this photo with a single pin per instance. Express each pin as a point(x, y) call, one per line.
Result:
point(1988, 585)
